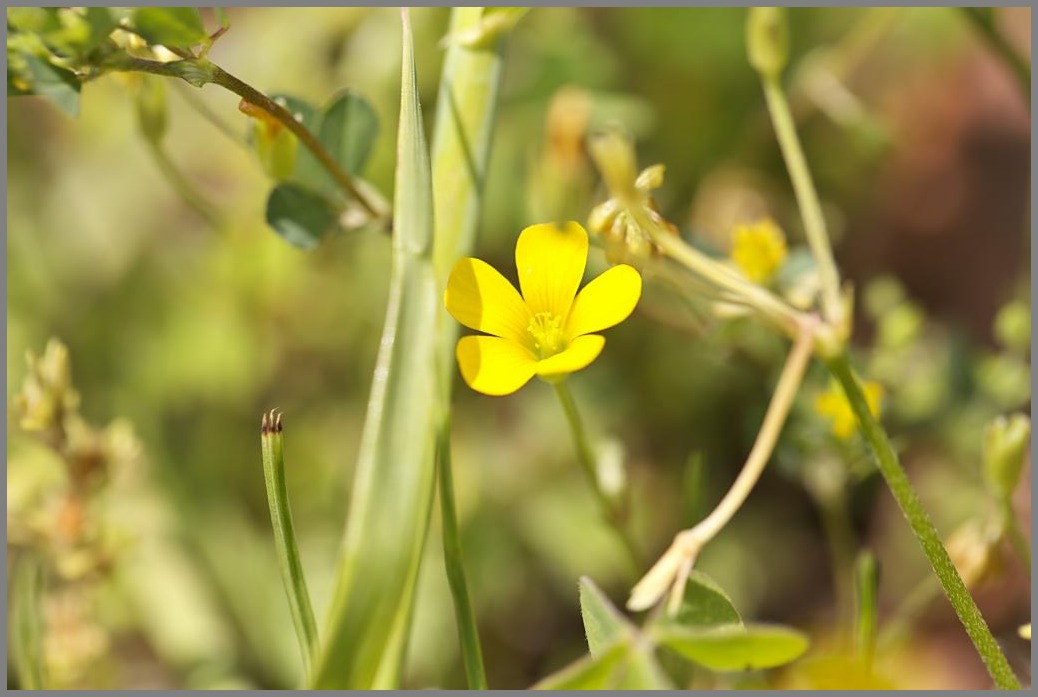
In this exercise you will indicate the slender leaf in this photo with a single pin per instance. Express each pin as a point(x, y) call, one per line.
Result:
point(25, 621)
point(393, 485)
point(300, 216)
point(175, 27)
point(589, 672)
point(604, 625)
point(349, 126)
point(734, 647)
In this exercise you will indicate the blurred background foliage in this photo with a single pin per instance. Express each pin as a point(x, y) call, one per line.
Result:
point(181, 330)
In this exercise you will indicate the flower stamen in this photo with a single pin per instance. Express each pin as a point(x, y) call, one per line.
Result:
point(546, 330)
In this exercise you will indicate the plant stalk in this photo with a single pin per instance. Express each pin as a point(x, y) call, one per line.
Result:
point(923, 528)
point(587, 464)
point(807, 199)
point(272, 442)
point(471, 652)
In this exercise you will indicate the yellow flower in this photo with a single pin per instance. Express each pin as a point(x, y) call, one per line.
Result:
point(833, 403)
point(758, 250)
point(547, 331)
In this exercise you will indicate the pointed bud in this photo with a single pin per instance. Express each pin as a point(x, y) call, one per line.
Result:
point(1005, 452)
point(767, 40)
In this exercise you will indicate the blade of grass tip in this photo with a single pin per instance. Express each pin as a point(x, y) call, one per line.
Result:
point(25, 622)
point(272, 442)
point(371, 607)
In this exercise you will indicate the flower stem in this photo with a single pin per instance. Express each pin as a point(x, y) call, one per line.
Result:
point(807, 199)
point(923, 528)
point(25, 626)
point(1016, 537)
point(272, 442)
point(673, 568)
point(471, 652)
point(182, 186)
point(612, 512)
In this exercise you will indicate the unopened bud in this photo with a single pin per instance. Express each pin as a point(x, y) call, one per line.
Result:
point(767, 40)
point(1005, 452)
point(650, 178)
point(613, 153)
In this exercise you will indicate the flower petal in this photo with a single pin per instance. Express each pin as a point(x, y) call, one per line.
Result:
point(606, 301)
point(482, 299)
point(494, 366)
point(577, 355)
point(550, 260)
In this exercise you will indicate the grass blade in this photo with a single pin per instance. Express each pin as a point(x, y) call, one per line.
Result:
point(393, 485)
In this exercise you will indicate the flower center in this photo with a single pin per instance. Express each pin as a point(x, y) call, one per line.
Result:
point(546, 330)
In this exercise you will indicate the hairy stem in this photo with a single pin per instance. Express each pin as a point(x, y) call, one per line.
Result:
point(923, 528)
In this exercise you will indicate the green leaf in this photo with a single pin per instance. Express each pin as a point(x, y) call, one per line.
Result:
point(25, 621)
point(349, 126)
point(59, 86)
point(300, 216)
point(175, 27)
point(705, 604)
point(388, 520)
point(587, 673)
point(641, 671)
point(734, 647)
point(102, 21)
point(604, 625)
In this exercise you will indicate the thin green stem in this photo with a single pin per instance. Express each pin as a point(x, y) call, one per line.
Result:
point(182, 186)
point(924, 530)
point(673, 568)
point(471, 652)
point(1016, 537)
point(807, 199)
point(866, 586)
point(207, 113)
point(984, 23)
point(610, 510)
point(272, 441)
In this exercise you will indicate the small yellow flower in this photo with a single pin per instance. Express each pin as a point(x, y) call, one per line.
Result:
point(758, 250)
point(833, 403)
point(547, 331)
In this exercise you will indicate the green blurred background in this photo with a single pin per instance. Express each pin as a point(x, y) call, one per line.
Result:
point(919, 141)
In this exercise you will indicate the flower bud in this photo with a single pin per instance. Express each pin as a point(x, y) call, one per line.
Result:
point(767, 40)
point(1005, 452)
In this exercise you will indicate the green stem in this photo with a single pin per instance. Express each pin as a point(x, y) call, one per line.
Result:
point(471, 653)
point(610, 510)
point(1016, 537)
point(923, 528)
point(182, 186)
point(272, 442)
point(807, 199)
point(984, 23)
point(866, 585)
